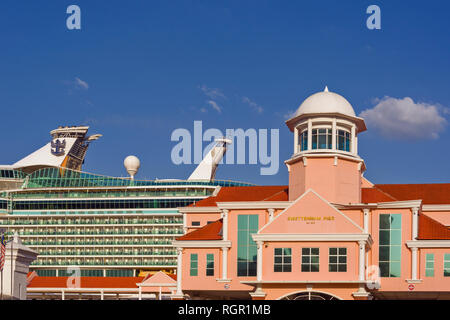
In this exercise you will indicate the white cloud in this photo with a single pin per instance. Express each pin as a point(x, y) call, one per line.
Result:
point(253, 104)
point(405, 119)
point(81, 84)
point(213, 93)
point(215, 106)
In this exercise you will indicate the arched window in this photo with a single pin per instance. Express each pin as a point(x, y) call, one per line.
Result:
point(343, 140)
point(321, 138)
point(310, 295)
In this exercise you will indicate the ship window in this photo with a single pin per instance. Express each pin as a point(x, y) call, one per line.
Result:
point(195, 223)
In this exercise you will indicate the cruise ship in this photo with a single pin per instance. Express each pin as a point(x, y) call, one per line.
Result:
point(102, 226)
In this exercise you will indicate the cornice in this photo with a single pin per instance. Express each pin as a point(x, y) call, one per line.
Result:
point(201, 244)
point(428, 243)
point(254, 205)
point(313, 237)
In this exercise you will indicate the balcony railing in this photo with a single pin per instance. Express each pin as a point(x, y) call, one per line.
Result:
point(99, 263)
point(106, 253)
point(98, 243)
point(97, 233)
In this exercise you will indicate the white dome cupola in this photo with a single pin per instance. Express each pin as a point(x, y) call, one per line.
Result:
point(325, 102)
point(325, 157)
point(326, 122)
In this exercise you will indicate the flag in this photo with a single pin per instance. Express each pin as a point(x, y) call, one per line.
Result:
point(2, 251)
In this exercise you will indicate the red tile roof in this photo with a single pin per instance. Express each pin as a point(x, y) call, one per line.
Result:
point(430, 229)
point(86, 282)
point(438, 193)
point(375, 195)
point(253, 193)
point(211, 231)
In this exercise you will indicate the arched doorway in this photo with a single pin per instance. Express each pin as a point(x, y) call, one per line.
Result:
point(309, 295)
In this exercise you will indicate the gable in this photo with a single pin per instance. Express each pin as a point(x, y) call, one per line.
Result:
point(311, 214)
point(159, 278)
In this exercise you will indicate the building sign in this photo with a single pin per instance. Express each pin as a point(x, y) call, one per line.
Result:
point(311, 219)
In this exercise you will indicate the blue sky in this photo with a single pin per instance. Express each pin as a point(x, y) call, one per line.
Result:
point(141, 67)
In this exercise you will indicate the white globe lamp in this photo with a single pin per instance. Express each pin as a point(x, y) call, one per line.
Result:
point(132, 165)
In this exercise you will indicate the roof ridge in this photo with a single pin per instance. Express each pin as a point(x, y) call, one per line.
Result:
point(385, 193)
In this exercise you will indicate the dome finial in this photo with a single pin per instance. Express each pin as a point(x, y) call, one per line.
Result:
point(326, 89)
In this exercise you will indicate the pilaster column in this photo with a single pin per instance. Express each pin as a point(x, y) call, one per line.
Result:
point(271, 214)
point(415, 223)
point(225, 224)
point(309, 134)
point(259, 261)
point(353, 150)
point(179, 270)
point(366, 220)
point(333, 135)
point(362, 255)
point(414, 263)
point(224, 263)
point(415, 233)
point(295, 140)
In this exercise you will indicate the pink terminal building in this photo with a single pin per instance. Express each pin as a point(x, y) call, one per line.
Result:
point(329, 234)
